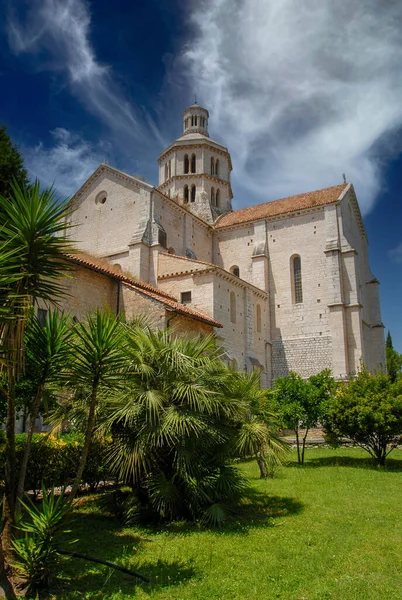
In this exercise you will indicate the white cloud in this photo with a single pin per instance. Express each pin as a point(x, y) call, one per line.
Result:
point(58, 32)
point(300, 90)
point(396, 254)
point(66, 164)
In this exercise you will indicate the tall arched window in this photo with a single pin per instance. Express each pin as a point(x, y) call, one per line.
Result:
point(212, 166)
point(166, 171)
point(232, 307)
point(213, 196)
point(217, 198)
point(186, 193)
point(217, 167)
point(258, 318)
point(193, 163)
point(193, 193)
point(186, 164)
point(297, 289)
point(170, 168)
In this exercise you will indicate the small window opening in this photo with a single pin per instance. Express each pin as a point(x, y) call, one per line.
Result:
point(213, 196)
point(166, 171)
point(217, 199)
point(185, 297)
point(186, 164)
point(186, 194)
point(193, 163)
point(193, 189)
point(217, 167)
point(101, 198)
point(235, 270)
point(212, 166)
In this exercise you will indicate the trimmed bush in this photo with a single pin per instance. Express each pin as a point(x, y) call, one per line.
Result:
point(53, 461)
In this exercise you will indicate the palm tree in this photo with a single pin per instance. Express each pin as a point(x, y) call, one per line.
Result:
point(98, 362)
point(174, 428)
point(47, 353)
point(32, 232)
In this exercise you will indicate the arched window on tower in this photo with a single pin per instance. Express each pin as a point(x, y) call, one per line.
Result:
point(296, 274)
point(232, 307)
point(185, 194)
point(258, 317)
point(170, 168)
point(186, 164)
point(217, 167)
point(193, 163)
point(166, 171)
point(212, 166)
point(235, 270)
point(213, 196)
point(193, 193)
point(217, 198)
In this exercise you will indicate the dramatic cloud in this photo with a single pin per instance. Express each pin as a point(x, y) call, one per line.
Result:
point(301, 91)
point(58, 32)
point(67, 163)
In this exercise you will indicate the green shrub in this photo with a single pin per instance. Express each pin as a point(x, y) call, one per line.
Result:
point(53, 461)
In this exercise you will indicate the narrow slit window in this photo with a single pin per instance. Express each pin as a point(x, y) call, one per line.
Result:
point(186, 193)
point(217, 198)
point(297, 281)
point(193, 163)
point(232, 307)
point(186, 164)
point(258, 318)
point(193, 189)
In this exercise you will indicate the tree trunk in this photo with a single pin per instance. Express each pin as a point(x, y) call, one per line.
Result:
point(27, 449)
point(298, 446)
point(304, 446)
point(87, 442)
point(9, 472)
point(262, 463)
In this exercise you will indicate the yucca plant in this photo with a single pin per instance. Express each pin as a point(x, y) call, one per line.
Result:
point(32, 233)
point(36, 550)
point(98, 362)
point(47, 352)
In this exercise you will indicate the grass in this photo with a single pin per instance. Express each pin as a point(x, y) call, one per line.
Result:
point(329, 530)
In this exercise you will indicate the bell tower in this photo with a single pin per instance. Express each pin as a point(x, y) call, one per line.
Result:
point(195, 170)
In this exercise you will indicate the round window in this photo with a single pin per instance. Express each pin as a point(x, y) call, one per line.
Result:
point(101, 198)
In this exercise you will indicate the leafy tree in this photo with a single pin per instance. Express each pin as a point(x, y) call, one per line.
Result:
point(368, 410)
point(175, 428)
point(32, 237)
point(394, 359)
point(299, 403)
point(11, 165)
point(98, 363)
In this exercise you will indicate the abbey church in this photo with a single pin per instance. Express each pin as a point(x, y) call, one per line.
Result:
point(286, 285)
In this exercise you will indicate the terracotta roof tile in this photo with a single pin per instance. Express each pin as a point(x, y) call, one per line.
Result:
point(146, 289)
point(283, 206)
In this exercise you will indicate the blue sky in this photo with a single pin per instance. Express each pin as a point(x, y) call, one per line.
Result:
point(300, 91)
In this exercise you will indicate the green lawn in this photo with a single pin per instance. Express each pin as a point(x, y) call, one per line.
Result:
point(329, 530)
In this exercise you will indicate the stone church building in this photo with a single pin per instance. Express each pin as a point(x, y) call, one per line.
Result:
point(288, 281)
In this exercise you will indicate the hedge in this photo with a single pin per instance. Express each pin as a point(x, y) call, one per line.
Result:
point(53, 461)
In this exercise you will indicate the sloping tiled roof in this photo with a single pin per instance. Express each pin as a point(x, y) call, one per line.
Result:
point(283, 206)
point(146, 289)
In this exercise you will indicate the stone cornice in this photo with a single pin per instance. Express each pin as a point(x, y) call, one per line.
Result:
point(247, 224)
